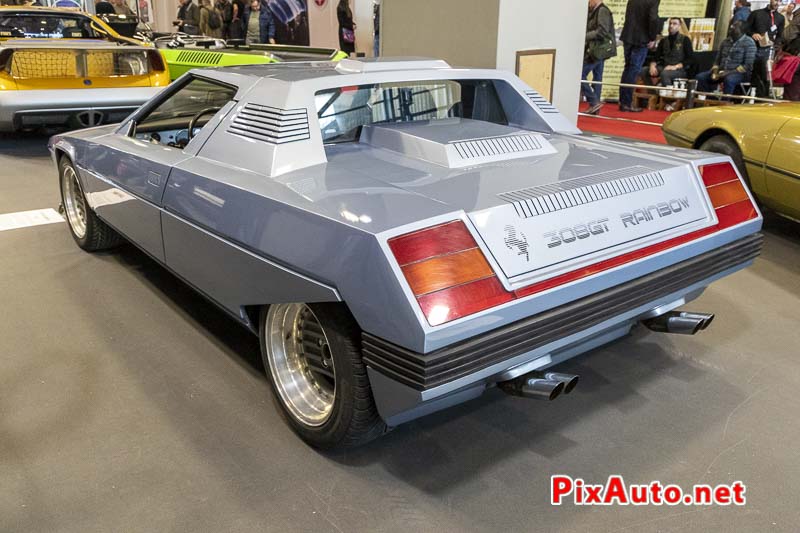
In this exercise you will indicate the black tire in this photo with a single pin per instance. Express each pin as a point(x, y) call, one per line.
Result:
point(97, 235)
point(354, 418)
point(723, 144)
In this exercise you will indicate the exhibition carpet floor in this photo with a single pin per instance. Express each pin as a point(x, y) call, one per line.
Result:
point(612, 121)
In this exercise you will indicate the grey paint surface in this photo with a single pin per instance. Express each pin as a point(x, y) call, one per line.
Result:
point(325, 213)
point(156, 415)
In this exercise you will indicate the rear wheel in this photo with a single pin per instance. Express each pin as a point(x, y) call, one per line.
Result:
point(722, 144)
point(312, 356)
point(89, 232)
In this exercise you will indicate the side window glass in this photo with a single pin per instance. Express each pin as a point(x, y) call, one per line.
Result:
point(184, 113)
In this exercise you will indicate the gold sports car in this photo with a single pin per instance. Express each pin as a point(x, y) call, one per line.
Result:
point(763, 140)
point(60, 67)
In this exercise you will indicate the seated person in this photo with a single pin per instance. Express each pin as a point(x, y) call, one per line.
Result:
point(672, 58)
point(733, 64)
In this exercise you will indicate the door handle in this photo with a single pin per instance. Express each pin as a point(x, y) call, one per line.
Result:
point(153, 178)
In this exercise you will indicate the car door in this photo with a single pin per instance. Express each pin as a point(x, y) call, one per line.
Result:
point(783, 170)
point(134, 163)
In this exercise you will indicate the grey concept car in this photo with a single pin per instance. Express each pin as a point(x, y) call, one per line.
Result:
point(403, 235)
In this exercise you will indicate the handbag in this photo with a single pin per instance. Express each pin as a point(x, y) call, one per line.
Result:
point(785, 69)
point(348, 35)
point(601, 50)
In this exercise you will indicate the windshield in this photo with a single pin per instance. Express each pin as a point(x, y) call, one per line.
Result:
point(343, 111)
point(47, 25)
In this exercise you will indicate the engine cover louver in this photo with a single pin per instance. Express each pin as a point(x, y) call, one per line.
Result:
point(541, 102)
point(552, 197)
point(198, 57)
point(270, 124)
point(509, 144)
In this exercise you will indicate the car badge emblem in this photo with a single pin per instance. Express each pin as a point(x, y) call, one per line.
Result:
point(87, 82)
point(517, 241)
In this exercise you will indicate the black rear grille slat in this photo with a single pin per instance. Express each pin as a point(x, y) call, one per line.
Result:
point(423, 371)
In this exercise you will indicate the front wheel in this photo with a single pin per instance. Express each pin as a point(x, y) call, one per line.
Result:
point(312, 355)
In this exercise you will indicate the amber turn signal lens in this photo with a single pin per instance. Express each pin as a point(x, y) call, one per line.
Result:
point(727, 193)
point(447, 271)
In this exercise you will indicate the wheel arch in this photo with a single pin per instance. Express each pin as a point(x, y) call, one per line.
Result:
point(713, 132)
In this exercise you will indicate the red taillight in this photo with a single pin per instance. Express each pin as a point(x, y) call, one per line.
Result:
point(447, 272)
point(156, 61)
point(451, 278)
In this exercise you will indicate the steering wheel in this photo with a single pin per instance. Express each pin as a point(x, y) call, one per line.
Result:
point(197, 116)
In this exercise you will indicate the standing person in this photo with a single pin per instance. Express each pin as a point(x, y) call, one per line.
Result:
point(673, 56)
point(236, 29)
point(259, 24)
point(601, 43)
point(225, 9)
point(188, 20)
point(765, 26)
point(741, 11)
point(347, 28)
point(376, 20)
point(210, 21)
point(121, 8)
point(639, 33)
point(104, 7)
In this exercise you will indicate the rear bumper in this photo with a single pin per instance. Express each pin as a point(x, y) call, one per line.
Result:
point(408, 384)
point(21, 109)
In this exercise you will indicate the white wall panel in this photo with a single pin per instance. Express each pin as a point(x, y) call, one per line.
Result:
point(546, 24)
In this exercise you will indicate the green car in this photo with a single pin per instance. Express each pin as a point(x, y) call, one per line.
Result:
point(182, 54)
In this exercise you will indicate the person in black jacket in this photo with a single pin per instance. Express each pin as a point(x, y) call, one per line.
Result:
point(639, 33)
point(188, 20)
point(347, 28)
point(673, 55)
point(599, 32)
point(765, 26)
point(104, 7)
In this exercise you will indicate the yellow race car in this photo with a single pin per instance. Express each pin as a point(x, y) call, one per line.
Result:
point(60, 67)
point(763, 140)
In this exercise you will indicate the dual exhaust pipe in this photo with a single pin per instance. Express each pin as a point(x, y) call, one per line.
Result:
point(549, 385)
point(680, 322)
point(539, 385)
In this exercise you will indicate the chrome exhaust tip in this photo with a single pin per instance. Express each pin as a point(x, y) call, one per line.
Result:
point(680, 322)
point(538, 385)
point(570, 381)
point(705, 318)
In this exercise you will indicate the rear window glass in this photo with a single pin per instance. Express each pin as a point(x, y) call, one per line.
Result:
point(343, 111)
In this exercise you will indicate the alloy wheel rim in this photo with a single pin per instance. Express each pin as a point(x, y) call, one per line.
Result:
point(74, 203)
point(301, 362)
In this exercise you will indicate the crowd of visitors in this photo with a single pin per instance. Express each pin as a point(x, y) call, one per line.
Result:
point(761, 48)
point(227, 19)
point(233, 19)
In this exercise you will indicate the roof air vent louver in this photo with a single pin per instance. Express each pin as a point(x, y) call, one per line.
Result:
point(270, 124)
point(541, 102)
